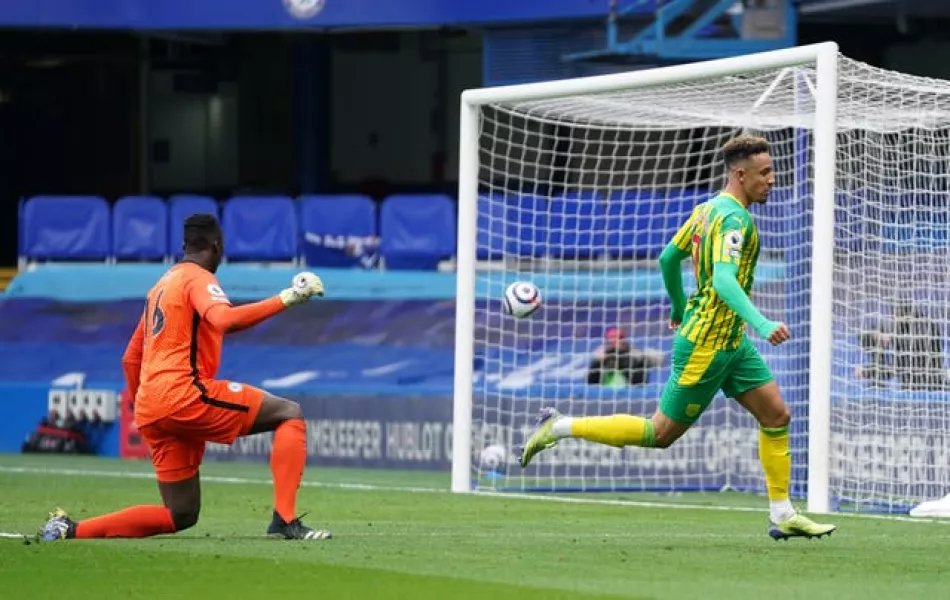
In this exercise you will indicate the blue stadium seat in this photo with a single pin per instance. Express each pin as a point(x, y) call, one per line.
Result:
point(338, 231)
point(66, 228)
point(622, 220)
point(775, 220)
point(527, 229)
point(139, 228)
point(577, 226)
point(850, 222)
point(930, 219)
point(181, 207)
point(260, 228)
point(417, 231)
point(492, 226)
point(642, 222)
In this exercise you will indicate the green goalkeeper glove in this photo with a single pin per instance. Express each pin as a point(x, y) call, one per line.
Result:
point(305, 286)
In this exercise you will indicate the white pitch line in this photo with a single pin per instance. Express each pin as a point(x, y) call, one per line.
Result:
point(424, 490)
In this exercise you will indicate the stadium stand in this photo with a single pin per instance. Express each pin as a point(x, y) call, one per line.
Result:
point(337, 231)
point(66, 228)
point(492, 221)
point(527, 234)
point(260, 228)
point(140, 229)
point(577, 226)
point(417, 232)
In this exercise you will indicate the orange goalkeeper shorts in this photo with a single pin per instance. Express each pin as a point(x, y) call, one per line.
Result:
point(224, 411)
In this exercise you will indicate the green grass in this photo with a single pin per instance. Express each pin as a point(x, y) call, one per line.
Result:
point(417, 544)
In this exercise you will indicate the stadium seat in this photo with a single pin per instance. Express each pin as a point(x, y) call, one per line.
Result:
point(898, 227)
point(181, 207)
point(492, 226)
point(850, 222)
point(775, 220)
point(622, 221)
point(931, 220)
point(527, 226)
point(139, 228)
point(577, 226)
point(260, 228)
point(338, 231)
point(417, 231)
point(66, 228)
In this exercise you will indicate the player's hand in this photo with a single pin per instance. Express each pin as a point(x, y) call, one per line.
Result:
point(305, 286)
point(676, 318)
point(780, 334)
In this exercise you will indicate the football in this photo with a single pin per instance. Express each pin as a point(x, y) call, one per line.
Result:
point(522, 299)
point(493, 458)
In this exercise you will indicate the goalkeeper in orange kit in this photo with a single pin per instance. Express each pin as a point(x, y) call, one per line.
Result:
point(170, 367)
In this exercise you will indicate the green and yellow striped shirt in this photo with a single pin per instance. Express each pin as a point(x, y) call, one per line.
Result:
point(718, 231)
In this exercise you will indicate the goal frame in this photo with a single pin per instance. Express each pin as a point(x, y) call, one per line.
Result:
point(825, 58)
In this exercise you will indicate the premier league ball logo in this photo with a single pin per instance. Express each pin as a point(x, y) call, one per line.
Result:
point(304, 9)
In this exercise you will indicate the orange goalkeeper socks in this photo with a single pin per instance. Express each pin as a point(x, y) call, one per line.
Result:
point(132, 522)
point(287, 461)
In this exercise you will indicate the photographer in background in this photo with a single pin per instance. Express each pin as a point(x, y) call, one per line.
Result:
point(616, 364)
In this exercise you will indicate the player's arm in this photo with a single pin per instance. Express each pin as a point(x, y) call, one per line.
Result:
point(215, 308)
point(671, 260)
point(727, 255)
point(132, 358)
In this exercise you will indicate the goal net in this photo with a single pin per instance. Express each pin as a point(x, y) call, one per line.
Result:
point(579, 191)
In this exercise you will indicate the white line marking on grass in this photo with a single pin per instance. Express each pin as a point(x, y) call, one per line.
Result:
point(428, 490)
point(12, 536)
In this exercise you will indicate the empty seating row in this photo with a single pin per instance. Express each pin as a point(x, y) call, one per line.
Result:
point(409, 231)
point(637, 224)
point(419, 231)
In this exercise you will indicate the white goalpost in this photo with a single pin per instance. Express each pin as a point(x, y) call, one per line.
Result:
point(577, 185)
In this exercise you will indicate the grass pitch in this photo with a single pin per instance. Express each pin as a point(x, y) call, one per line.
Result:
point(401, 535)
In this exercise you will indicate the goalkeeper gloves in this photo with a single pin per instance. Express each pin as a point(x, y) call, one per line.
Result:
point(305, 286)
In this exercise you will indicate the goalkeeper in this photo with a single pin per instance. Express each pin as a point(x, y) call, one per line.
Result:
point(710, 349)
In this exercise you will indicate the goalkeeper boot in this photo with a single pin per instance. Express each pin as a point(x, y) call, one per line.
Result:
point(294, 530)
point(542, 438)
point(58, 527)
point(799, 526)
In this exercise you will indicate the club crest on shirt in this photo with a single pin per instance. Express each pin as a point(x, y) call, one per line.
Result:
point(733, 242)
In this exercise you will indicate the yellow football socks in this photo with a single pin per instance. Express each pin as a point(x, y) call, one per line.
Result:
point(615, 430)
point(776, 461)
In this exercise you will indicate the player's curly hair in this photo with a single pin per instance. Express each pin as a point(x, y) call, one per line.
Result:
point(742, 148)
point(201, 231)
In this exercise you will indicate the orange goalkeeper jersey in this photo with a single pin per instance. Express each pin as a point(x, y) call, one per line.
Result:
point(177, 343)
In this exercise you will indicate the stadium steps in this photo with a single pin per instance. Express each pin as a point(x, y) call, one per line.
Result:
point(6, 276)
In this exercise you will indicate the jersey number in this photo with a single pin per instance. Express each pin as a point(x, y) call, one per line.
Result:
point(158, 316)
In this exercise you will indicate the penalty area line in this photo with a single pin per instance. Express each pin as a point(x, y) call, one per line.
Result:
point(368, 487)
